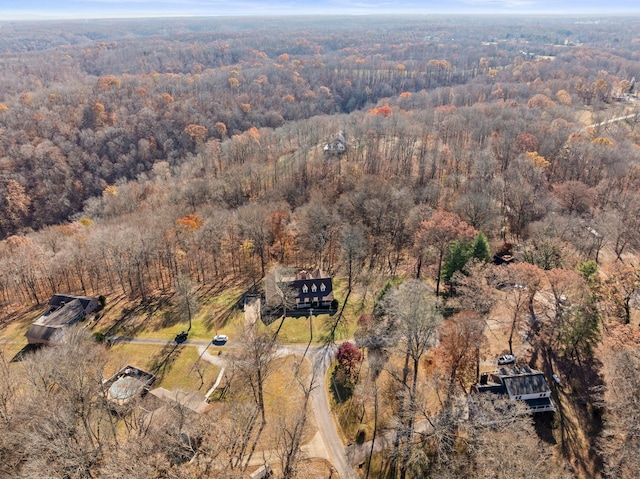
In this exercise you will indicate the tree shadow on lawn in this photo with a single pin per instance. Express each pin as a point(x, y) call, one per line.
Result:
point(577, 401)
point(341, 388)
point(136, 318)
point(544, 424)
point(163, 361)
point(170, 317)
point(220, 287)
point(220, 319)
point(26, 351)
point(22, 317)
point(582, 391)
point(139, 317)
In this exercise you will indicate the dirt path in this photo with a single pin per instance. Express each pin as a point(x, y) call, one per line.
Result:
point(613, 120)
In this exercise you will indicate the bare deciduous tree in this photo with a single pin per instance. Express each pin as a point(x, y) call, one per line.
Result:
point(620, 440)
point(492, 448)
point(280, 295)
point(411, 308)
point(186, 300)
point(66, 423)
point(253, 365)
point(292, 426)
point(461, 339)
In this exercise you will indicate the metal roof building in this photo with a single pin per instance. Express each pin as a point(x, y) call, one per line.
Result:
point(518, 383)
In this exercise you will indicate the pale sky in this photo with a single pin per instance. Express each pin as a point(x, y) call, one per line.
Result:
point(35, 9)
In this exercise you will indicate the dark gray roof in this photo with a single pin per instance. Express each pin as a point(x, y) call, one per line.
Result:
point(525, 384)
point(66, 314)
point(326, 295)
point(43, 333)
point(54, 321)
point(490, 388)
point(539, 402)
point(310, 278)
point(518, 381)
point(57, 300)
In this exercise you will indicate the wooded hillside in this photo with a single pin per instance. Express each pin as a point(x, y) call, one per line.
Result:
point(135, 153)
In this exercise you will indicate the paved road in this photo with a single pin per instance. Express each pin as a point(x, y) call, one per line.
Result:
point(159, 342)
point(334, 450)
point(322, 358)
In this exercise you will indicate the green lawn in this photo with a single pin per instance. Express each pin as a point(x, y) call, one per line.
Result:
point(186, 372)
point(204, 324)
point(12, 336)
point(175, 366)
point(296, 329)
point(218, 314)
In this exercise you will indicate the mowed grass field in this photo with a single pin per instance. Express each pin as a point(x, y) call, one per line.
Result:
point(176, 366)
point(159, 319)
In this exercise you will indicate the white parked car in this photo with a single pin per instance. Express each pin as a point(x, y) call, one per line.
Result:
point(506, 359)
point(220, 339)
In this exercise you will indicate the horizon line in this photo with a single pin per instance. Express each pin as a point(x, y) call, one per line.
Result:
point(17, 17)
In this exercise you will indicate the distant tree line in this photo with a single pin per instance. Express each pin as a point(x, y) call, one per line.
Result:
point(103, 108)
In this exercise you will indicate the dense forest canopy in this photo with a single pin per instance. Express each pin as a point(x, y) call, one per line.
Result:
point(140, 155)
point(85, 105)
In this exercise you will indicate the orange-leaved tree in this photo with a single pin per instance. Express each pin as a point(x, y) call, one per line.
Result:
point(197, 132)
point(383, 111)
point(191, 222)
point(621, 283)
point(438, 232)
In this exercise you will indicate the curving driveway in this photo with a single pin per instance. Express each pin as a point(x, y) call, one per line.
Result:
point(321, 358)
point(327, 443)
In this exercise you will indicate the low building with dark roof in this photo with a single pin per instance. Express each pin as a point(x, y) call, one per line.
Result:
point(520, 384)
point(64, 311)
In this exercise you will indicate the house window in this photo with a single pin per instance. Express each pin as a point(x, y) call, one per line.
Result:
point(305, 289)
point(314, 288)
point(322, 287)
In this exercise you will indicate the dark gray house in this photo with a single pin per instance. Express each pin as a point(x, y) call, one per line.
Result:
point(518, 383)
point(313, 289)
point(64, 311)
